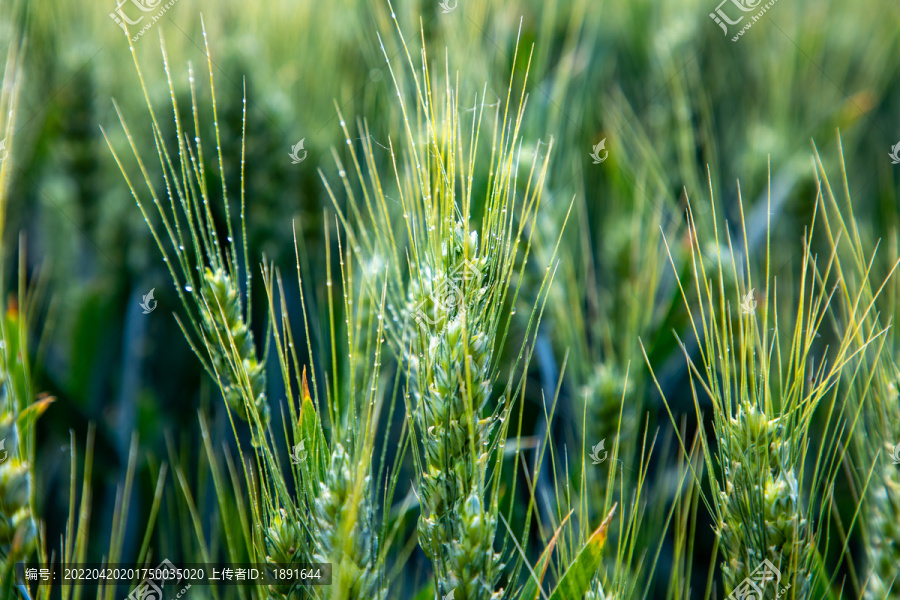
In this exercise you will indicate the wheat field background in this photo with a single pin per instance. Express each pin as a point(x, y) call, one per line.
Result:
point(467, 300)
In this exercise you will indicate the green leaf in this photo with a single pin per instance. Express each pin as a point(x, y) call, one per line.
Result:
point(311, 434)
point(33, 412)
point(530, 590)
point(16, 367)
point(577, 579)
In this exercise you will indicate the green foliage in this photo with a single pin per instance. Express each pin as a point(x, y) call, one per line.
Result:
point(398, 464)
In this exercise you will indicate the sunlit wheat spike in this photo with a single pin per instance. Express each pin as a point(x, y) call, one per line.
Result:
point(449, 283)
point(208, 271)
point(333, 519)
point(232, 350)
point(765, 383)
point(330, 512)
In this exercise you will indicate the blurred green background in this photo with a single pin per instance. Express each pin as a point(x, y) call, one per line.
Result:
point(682, 108)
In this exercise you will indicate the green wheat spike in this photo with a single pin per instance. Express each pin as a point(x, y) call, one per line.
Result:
point(224, 323)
